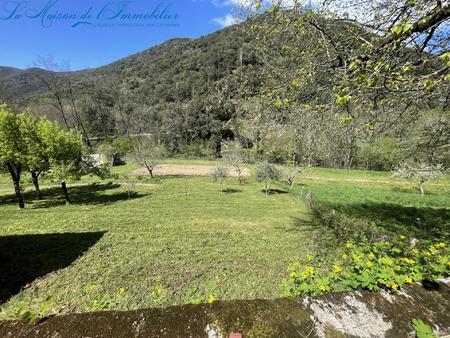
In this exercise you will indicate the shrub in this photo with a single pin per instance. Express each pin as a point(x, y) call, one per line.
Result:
point(219, 173)
point(267, 173)
point(371, 266)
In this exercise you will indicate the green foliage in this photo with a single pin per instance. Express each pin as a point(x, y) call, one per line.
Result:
point(219, 173)
point(373, 266)
point(116, 150)
point(102, 301)
point(422, 329)
point(65, 149)
point(10, 140)
point(210, 293)
point(33, 315)
point(268, 173)
point(384, 154)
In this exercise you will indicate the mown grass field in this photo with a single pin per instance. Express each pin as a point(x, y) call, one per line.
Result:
point(125, 246)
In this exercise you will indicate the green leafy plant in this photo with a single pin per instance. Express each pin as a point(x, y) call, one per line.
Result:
point(422, 330)
point(209, 294)
point(101, 301)
point(372, 266)
point(32, 316)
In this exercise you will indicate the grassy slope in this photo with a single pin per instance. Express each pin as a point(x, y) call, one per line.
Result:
point(163, 238)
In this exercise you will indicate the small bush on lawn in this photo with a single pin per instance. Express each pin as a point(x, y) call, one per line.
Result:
point(371, 266)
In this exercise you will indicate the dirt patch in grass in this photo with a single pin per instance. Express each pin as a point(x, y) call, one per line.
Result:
point(186, 170)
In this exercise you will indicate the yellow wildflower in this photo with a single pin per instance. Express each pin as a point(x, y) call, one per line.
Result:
point(211, 299)
point(121, 291)
point(369, 264)
point(402, 236)
point(415, 251)
point(408, 261)
point(322, 288)
point(156, 291)
point(304, 275)
point(337, 269)
point(310, 270)
point(386, 260)
point(309, 258)
point(293, 275)
point(440, 245)
point(394, 286)
point(408, 280)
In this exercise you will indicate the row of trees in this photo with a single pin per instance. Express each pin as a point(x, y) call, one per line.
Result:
point(38, 146)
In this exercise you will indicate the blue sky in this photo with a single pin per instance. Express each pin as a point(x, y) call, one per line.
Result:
point(91, 33)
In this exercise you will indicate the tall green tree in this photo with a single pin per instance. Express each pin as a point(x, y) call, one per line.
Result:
point(13, 150)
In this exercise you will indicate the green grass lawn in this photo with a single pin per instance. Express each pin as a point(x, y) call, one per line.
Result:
point(127, 247)
point(232, 245)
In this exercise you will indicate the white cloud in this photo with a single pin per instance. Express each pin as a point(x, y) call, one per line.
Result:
point(225, 21)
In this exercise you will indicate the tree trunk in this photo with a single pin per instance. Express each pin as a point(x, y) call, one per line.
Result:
point(65, 192)
point(149, 169)
point(15, 172)
point(35, 178)
point(422, 191)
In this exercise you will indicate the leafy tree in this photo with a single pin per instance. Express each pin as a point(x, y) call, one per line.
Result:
point(420, 173)
point(13, 150)
point(65, 153)
point(38, 160)
point(147, 155)
point(268, 173)
point(219, 173)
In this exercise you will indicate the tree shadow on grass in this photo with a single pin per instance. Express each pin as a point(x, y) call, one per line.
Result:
point(275, 191)
point(424, 222)
point(302, 225)
point(231, 191)
point(26, 257)
point(90, 194)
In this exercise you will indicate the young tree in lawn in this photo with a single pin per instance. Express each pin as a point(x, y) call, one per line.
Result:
point(219, 173)
point(147, 154)
point(233, 154)
point(268, 173)
point(420, 173)
point(13, 150)
point(291, 173)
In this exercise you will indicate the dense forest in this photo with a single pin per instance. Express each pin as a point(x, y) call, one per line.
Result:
point(191, 96)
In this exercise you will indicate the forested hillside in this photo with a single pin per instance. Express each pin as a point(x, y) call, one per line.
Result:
point(192, 95)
